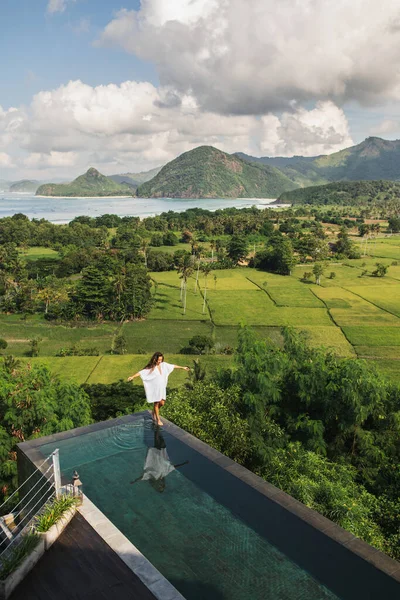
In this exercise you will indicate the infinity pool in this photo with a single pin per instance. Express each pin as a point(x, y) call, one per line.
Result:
point(208, 532)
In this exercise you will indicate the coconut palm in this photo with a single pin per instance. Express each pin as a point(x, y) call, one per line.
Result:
point(206, 268)
point(185, 269)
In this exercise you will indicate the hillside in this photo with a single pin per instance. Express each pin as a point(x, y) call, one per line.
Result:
point(206, 172)
point(25, 185)
point(135, 179)
point(345, 193)
point(92, 183)
point(373, 159)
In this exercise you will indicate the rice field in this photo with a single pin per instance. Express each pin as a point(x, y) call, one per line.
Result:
point(365, 335)
point(350, 314)
point(169, 306)
point(382, 297)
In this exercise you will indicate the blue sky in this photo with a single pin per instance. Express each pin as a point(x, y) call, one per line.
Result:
point(126, 85)
point(46, 50)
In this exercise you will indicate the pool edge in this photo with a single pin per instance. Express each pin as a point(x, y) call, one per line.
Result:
point(376, 558)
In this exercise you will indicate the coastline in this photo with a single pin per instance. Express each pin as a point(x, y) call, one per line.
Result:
point(84, 197)
point(266, 200)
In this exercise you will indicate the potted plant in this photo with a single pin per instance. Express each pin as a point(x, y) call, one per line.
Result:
point(18, 561)
point(54, 517)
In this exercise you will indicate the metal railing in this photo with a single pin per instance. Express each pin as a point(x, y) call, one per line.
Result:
point(42, 485)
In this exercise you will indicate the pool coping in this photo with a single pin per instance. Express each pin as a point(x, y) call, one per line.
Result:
point(376, 558)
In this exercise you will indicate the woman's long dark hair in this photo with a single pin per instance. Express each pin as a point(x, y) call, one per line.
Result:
point(154, 359)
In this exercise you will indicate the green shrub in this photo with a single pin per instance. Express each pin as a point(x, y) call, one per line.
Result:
point(53, 512)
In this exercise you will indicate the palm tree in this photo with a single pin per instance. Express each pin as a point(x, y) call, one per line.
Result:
point(143, 246)
point(212, 246)
point(206, 268)
point(185, 269)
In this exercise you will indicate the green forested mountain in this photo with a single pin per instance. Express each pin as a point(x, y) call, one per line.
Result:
point(345, 193)
point(25, 185)
point(135, 179)
point(373, 159)
point(92, 183)
point(206, 172)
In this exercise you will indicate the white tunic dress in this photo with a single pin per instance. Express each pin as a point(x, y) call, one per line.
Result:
point(155, 383)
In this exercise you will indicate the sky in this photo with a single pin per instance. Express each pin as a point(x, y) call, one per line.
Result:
point(127, 85)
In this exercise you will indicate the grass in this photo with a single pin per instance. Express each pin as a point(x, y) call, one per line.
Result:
point(17, 333)
point(357, 319)
point(331, 338)
point(169, 306)
point(256, 308)
point(114, 368)
point(20, 551)
point(372, 336)
point(378, 352)
point(347, 308)
point(153, 334)
point(38, 252)
point(108, 369)
point(383, 296)
point(301, 296)
point(389, 368)
point(73, 368)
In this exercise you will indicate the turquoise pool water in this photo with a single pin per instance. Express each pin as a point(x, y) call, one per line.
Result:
point(184, 518)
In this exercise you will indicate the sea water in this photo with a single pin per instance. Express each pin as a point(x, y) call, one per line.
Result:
point(63, 210)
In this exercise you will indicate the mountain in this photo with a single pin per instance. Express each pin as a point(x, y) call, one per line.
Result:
point(135, 179)
point(206, 172)
point(92, 183)
point(372, 159)
point(25, 185)
point(345, 193)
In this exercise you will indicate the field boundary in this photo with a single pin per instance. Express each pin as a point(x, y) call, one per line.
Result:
point(94, 368)
point(265, 291)
point(333, 320)
point(370, 302)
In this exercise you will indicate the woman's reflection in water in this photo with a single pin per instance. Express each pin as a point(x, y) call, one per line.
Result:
point(157, 464)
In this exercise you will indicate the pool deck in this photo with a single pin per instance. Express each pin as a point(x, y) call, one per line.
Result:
point(82, 566)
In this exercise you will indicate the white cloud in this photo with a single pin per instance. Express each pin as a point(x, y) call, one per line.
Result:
point(5, 160)
point(81, 26)
point(51, 159)
point(258, 56)
point(136, 126)
point(387, 126)
point(55, 6)
point(308, 133)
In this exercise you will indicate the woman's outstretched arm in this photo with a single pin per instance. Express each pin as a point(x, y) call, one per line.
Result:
point(133, 376)
point(178, 367)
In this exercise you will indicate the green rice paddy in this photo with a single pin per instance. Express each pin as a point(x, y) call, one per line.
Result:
point(351, 314)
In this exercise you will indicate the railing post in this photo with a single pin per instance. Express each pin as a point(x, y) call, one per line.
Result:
point(57, 472)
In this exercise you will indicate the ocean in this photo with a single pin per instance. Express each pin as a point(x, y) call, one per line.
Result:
point(63, 210)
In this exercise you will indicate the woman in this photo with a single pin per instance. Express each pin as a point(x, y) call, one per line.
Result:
point(155, 379)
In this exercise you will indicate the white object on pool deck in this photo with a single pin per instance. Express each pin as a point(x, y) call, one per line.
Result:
point(155, 381)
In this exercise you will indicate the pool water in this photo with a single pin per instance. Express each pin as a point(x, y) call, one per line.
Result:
point(185, 514)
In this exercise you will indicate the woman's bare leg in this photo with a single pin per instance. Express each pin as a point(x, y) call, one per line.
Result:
point(157, 413)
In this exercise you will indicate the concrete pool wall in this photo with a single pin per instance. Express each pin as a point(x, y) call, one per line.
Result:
point(348, 566)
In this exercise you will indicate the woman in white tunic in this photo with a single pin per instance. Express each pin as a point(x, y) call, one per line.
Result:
point(155, 379)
